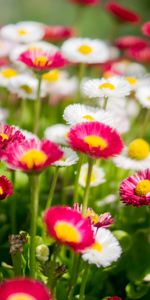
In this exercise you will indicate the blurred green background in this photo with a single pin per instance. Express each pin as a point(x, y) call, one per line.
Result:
point(95, 21)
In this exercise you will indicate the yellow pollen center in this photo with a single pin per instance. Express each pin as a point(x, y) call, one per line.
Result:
point(88, 117)
point(85, 49)
point(40, 61)
point(1, 191)
point(143, 187)
point(22, 32)
point(97, 246)
point(92, 177)
point(27, 89)
point(131, 80)
point(148, 98)
point(33, 158)
point(95, 141)
point(138, 149)
point(93, 216)
point(52, 76)
point(107, 85)
point(66, 232)
point(20, 296)
point(8, 73)
point(4, 136)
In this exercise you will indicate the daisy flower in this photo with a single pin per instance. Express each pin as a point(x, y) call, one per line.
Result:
point(135, 190)
point(111, 87)
point(5, 48)
point(3, 115)
point(104, 251)
point(6, 73)
point(6, 188)
point(69, 227)
point(22, 32)
point(95, 139)
point(8, 135)
point(58, 33)
point(130, 41)
point(143, 95)
point(32, 155)
point(85, 50)
point(25, 86)
point(134, 157)
point(122, 13)
point(42, 253)
point(97, 176)
point(146, 28)
point(57, 133)
point(140, 55)
point(128, 68)
point(25, 289)
point(68, 159)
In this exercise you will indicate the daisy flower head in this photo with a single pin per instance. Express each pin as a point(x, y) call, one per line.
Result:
point(69, 227)
point(97, 176)
point(85, 50)
point(32, 155)
point(6, 188)
point(5, 48)
point(135, 190)
point(104, 220)
point(42, 252)
point(25, 289)
point(57, 133)
point(140, 55)
point(104, 251)
point(134, 157)
point(111, 87)
point(22, 32)
point(6, 73)
point(122, 13)
point(68, 159)
point(95, 139)
point(143, 95)
point(146, 28)
point(8, 135)
point(58, 33)
point(130, 41)
point(128, 68)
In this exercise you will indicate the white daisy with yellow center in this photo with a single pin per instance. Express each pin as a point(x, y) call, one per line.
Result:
point(97, 177)
point(85, 50)
point(6, 74)
point(42, 253)
point(128, 68)
point(143, 95)
point(104, 251)
point(134, 157)
point(68, 159)
point(57, 133)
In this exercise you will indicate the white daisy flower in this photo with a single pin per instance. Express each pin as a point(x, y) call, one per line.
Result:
point(128, 68)
point(134, 157)
point(105, 251)
point(85, 50)
point(77, 113)
point(113, 52)
point(23, 32)
point(97, 177)
point(5, 47)
point(143, 96)
point(42, 253)
point(25, 86)
point(69, 158)
point(57, 133)
point(3, 115)
point(112, 87)
point(6, 74)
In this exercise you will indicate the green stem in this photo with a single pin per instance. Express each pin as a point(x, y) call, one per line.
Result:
point(145, 123)
point(17, 263)
point(51, 275)
point(13, 205)
point(37, 107)
point(34, 215)
point(105, 103)
point(74, 276)
point(52, 189)
point(83, 283)
point(76, 185)
point(87, 187)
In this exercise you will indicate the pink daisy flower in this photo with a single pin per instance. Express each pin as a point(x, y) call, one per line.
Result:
point(146, 28)
point(69, 227)
point(131, 41)
point(135, 190)
point(32, 155)
point(95, 139)
point(122, 13)
point(42, 61)
point(6, 188)
point(58, 33)
point(24, 288)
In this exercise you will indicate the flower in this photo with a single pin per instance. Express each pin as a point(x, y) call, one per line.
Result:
point(3, 115)
point(134, 157)
point(25, 86)
point(8, 135)
point(85, 50)
point(40, 60)
point(104, 251)
point(95, 139)
point(69, 227)
point(77, 113)
point(143, 95)
point(146, 28)
point(22, 32)
point(24, 288)
point(6, 73)
point(57, 133)
point(140, 55)
point(58, 33)
point(42, 253)
point(5, 47)
point(125, 68)
point(68, 159)
point(111, 87)
point(122, 13)
point(32, 155)
point(114, 298)
point(135, 190)
point(85, 2)
point(6, 188)
point(97, 177)
point(130, 41)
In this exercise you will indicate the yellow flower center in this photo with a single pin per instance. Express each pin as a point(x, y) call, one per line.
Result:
point(27, 89)
point(131, 80)
point(40, 61)
point(85, 49)
point(143, 187)
point(148, 98)
point(20, 296)
point(93, 216)
point(95, 141)
point(51, 76)
point(8, 73)
point(1, 191)
point(93, 177)
point(107, 85)
point(4, 136)
point(97, 246)
point(67, 232)
point(138, 149)
point(33, 158)
point(88, 117)
point(22, 32)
